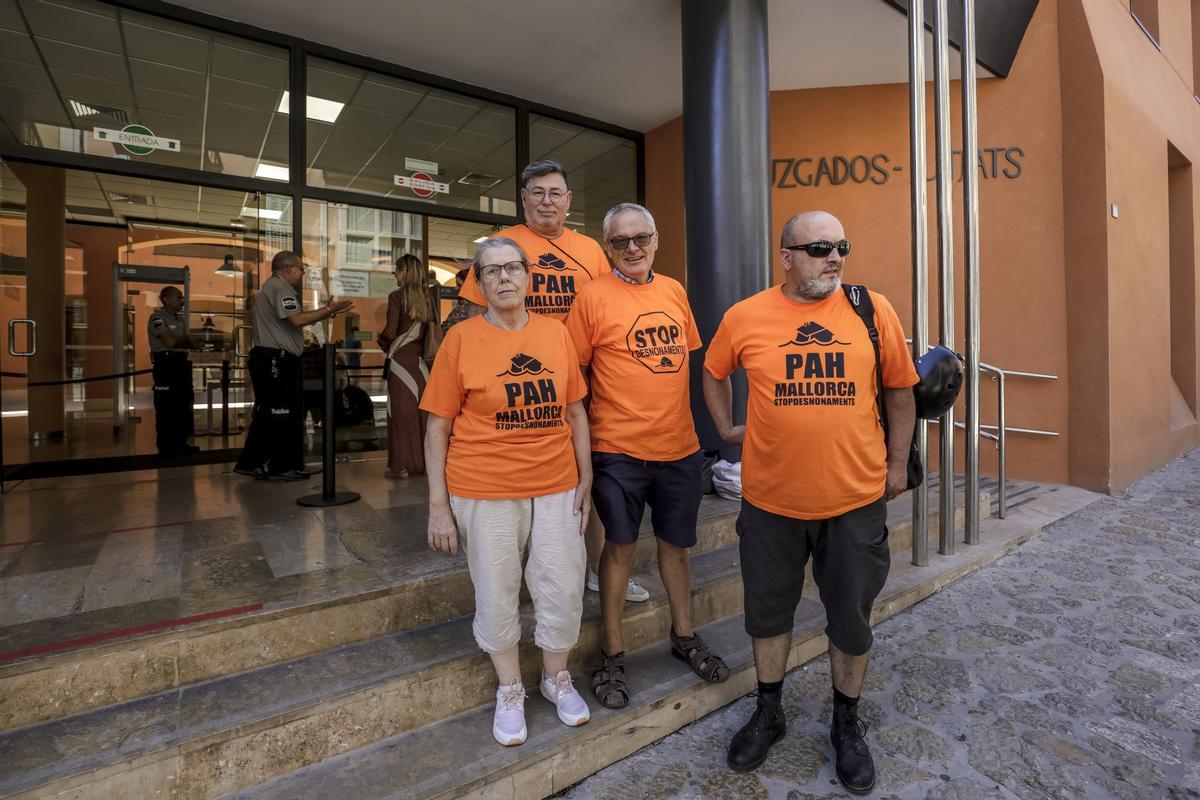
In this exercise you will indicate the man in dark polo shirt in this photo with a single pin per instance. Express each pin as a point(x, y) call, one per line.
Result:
point(274, 447)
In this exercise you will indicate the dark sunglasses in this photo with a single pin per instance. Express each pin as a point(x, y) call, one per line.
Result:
point(621, 243)
point(822, 248)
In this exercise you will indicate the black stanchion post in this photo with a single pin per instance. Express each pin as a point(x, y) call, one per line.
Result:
point(225, 397)
point(329, 495)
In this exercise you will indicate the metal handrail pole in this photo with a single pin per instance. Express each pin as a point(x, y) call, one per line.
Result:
point(982, 433)
point(1014, 373)
point(225, 376)
point(970, 148)
point(920, 257)
point(985, 430)
point(1001, 439)
point(945, 229)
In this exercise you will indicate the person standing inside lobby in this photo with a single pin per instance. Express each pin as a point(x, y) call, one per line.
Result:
point(411, 319)
point(562, 262)
point(173, 395)
point(274, 447)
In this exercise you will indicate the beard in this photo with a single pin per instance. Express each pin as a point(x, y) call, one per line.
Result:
point(819, 288)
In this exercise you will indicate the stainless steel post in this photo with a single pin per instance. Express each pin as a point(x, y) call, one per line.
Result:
point(970, 150)
point(1001, 441)
point(920, 255)
point(945, 228)
point(118, 350)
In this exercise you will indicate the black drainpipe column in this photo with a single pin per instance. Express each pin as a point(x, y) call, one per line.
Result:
point(726, 160)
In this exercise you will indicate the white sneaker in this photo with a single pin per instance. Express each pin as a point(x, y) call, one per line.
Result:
point(508, 725)
point(572, 708)
point(634, 592)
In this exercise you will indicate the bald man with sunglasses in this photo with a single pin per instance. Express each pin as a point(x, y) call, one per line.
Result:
point(816, 473)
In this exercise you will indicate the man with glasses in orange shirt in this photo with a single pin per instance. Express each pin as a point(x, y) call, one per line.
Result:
point(561, 262)
point(633, 330)
point(816, 473)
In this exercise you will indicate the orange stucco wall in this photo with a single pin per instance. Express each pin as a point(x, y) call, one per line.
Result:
point(1147, 103)
point(1041, 231)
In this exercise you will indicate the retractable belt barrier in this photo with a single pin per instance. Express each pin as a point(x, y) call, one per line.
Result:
point(66, 381)
point(329, 495)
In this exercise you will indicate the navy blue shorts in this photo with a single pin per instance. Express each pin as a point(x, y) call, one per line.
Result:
point(622, 486)
point(850, 558)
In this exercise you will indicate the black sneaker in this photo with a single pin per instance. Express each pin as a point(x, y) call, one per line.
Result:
point(290, 475)
point(258, 473)
point(749, 747)
point(853, 764)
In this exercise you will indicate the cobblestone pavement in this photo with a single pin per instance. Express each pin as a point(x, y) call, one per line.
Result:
point(1069, 669)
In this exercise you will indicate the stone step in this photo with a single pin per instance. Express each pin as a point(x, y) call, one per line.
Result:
point(422, 764)
point(431, 587)
point(434, 588)
point(220, 735)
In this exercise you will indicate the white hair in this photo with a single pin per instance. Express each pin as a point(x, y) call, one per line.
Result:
point(621, 208)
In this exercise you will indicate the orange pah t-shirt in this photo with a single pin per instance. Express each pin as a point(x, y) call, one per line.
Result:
point(814, 446)
point(507, 393)
point(558, 268)
point(636, 338)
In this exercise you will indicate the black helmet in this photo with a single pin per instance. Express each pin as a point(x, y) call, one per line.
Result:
point(941, 373)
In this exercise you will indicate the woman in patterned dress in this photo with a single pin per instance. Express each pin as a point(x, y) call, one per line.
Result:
point(409, 316)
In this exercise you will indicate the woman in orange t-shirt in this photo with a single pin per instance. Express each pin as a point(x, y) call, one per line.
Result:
point(508, 456)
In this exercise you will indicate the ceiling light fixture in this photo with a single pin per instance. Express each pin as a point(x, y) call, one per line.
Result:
point(229, 267)
point(480, 240)
point(317, 108)
point(272, 172)
point(262, 213)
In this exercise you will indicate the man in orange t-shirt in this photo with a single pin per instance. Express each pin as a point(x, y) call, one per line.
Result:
point(816, 473)
point(561, 261)
point(633, 330)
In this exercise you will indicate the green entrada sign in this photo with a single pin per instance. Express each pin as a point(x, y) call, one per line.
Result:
point(137, 139)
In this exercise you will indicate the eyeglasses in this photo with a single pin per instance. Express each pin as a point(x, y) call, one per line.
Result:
point(822, 248)
point(622, 242)
point(512, 269)
point(538, 195)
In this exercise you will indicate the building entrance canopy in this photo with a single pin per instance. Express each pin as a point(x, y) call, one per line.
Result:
point(619, 61)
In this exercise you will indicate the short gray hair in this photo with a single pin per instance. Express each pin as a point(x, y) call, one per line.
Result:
point(545, 166)
point(621, 208)
point(492, 244)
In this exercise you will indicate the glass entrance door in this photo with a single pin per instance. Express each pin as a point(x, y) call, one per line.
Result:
point(83, 259)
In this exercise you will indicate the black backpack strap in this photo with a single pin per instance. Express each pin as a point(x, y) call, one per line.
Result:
point(860, 300)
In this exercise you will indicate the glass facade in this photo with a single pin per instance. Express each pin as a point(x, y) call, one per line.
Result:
point(84, 77)
point(162, 138)
point(602, 168)
point(380, 135)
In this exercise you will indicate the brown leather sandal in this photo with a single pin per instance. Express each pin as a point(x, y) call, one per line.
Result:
point(704, 662)
point(608, 681)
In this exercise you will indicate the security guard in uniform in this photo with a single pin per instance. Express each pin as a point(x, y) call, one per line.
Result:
point(274, 446)
point(169, 344)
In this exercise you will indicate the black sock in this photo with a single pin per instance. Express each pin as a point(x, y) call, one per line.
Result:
point(770, 693)
point(843, 700)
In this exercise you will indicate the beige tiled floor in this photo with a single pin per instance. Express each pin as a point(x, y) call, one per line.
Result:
point(97, 555)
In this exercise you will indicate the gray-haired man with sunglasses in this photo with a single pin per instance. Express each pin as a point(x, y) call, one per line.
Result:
point(816, 474)
point(633, 330)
